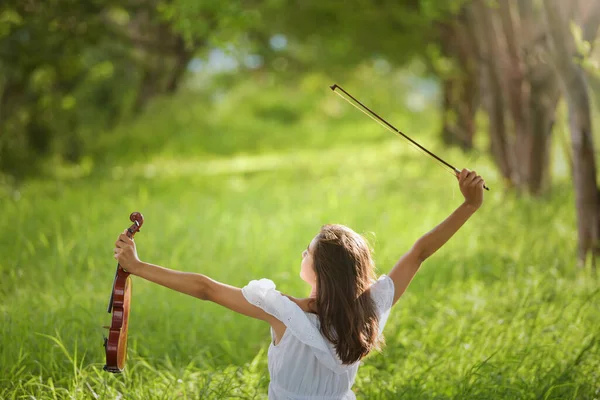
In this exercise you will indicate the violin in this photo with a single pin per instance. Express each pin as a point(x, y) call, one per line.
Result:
point(116, 342)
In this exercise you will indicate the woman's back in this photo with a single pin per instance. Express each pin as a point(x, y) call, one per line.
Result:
point(303, 364)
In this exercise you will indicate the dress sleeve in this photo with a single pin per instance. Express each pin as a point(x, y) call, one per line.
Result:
point(262, 294)
point(382, 293)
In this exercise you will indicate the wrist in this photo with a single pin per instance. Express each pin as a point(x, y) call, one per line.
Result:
point(472, 207)
point(135, 267)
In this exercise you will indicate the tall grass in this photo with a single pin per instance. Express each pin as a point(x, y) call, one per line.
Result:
point(500, 312)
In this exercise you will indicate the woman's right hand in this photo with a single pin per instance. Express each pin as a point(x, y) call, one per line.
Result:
point(471, 186)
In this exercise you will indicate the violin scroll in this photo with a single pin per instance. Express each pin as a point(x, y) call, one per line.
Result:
point(138, 220)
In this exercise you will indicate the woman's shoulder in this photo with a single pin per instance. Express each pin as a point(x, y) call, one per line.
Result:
point(308, 305)
point(382, 293)
point(383, 283)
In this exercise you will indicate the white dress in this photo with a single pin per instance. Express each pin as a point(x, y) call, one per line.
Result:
point(304, 365)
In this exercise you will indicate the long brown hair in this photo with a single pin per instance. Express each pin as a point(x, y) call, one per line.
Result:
point(344, 269)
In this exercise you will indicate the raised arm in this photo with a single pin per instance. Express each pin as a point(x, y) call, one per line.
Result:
point(471, 186)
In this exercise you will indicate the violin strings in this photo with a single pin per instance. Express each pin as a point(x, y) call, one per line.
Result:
point(441, 165)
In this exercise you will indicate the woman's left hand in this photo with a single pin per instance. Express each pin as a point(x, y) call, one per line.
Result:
point(126, 253)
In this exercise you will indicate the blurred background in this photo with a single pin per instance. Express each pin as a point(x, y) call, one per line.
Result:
point(215, 120)
point(514, 79)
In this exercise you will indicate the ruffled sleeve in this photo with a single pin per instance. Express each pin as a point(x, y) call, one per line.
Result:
point(262, 293)
point(382, 293)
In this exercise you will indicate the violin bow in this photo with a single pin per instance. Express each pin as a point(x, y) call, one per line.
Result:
point(366, 110)
point(115, 344)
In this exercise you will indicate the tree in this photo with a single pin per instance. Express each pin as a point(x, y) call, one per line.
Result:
point(575, 88)
point(459, 79)
point(71, 69)
point(500, 46)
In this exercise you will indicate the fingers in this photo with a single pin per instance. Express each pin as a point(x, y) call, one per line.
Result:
point(470, 178)
point(466, 177)
point(123, 237)
point(123, 240)
point(478, 181)
point(121, 244)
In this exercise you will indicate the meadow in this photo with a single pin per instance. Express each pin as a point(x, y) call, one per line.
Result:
point(236, 189)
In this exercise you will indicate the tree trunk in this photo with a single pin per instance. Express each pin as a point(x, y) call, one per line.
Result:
point(458, 118)
point(460, 86)
point(589, 18)
point(542, 104)
point(543, 96)
point(517, 93)
point(518, 90)
point(163, 58)
point(584, 168)
point(490, 53)
point(182, 59)
point(449, 134)
point(580, 125)
point(148, 88)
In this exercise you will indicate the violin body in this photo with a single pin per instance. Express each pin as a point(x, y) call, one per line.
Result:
point(119, 305)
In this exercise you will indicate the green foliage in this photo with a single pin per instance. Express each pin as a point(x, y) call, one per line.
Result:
point(335, 37)
point(499, 312)
point(72, 70)
point(248, 117)
point(220, 24)
point(55, 58)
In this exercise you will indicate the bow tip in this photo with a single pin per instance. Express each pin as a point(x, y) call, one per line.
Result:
point(333, 87)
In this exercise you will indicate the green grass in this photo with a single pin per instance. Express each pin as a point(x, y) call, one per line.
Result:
point(500, 312)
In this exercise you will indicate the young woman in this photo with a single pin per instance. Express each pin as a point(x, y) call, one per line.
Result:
point(317, 342)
